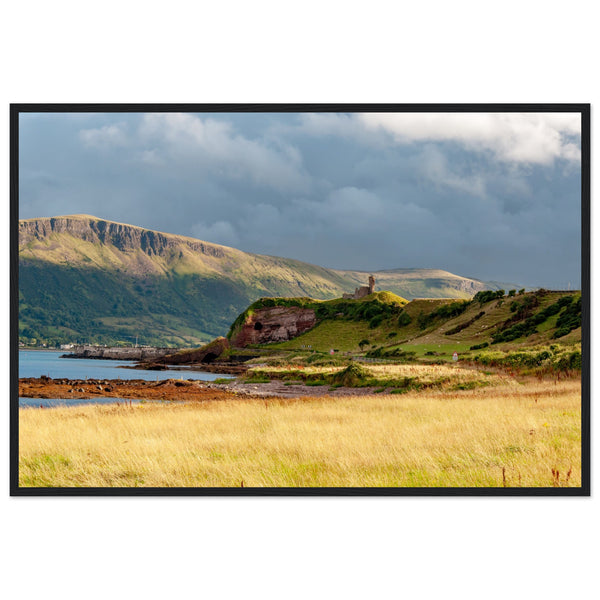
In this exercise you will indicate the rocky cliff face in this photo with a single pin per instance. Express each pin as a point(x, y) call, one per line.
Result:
point(276, 324)
point(123, 237)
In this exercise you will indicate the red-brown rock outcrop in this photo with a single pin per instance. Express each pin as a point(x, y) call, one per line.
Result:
point(274, 324)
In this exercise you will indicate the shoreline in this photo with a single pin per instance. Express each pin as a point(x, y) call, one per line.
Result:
point(219, 368)
point(173, 389)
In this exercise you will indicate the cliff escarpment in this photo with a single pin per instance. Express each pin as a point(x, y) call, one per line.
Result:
point(121, 236)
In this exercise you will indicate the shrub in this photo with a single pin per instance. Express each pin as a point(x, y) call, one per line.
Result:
point(565, 300)
point(375, 322)
point(479, 346)
point(569, 319)
point(395, 353)
point(404, 319)
point(352, 376)
point(570, 361)
point(487, 296)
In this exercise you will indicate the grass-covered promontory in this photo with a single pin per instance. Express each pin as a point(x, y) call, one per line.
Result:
point(384, 326)
point(371, 310)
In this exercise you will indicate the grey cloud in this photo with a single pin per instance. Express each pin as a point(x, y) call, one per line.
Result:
point(213, 145)
point(434, 166)
point(326, 189)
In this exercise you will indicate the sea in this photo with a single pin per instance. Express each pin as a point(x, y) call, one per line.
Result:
point(36, 363)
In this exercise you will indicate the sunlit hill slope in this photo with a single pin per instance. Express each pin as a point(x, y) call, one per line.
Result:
point(86, 279)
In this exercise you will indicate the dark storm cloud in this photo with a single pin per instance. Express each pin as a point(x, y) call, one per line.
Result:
point(493, 197)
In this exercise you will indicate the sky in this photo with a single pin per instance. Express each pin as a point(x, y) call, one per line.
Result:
point(494, 196)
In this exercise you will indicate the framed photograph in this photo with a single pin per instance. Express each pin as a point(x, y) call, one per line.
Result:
point(301, 299)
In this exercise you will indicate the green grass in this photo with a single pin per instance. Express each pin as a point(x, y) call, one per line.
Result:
point(330, 335)
point(548, 325)
point(258, 378)
point(441, 351)
point(429, 344)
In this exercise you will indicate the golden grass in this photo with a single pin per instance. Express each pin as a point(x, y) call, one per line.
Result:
point(515, 435)
point(450, 375)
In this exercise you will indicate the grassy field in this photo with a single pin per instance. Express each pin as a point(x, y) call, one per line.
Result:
point(521, 435)
point(399, 378)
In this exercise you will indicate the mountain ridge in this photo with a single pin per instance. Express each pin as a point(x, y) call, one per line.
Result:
point(92, 279)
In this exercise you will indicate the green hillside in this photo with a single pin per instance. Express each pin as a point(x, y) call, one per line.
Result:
point(437, 328)
point(89, 280)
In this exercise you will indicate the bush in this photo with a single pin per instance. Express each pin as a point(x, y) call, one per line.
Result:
point(479, 346)
point(395, 353)
point(352, 376)
point(488, 296)
point(569, 319)
point(375, 322)
point(404, 319)
point(569, 362)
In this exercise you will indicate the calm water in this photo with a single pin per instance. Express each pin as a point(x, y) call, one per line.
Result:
point(35, 363)
point(51, 402)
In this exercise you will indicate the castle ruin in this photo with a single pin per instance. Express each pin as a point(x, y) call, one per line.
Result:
point(361, 292)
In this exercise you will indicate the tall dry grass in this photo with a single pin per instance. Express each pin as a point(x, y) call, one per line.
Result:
point(517, 435)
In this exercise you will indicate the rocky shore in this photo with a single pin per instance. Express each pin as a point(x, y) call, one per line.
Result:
point(138, 389)
point(172, 389)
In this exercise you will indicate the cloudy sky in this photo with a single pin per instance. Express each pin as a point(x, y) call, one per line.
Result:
point(491, 196)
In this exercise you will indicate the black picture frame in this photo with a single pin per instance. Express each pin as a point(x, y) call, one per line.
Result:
point(583, 109)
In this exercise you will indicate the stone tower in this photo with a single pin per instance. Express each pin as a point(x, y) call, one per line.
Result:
point(371, 284)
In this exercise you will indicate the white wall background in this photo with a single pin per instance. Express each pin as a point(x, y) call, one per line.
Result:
point(462, 51)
